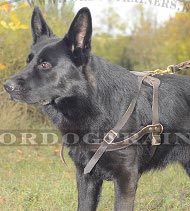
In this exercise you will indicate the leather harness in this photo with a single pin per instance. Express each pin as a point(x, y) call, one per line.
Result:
point(155, 129)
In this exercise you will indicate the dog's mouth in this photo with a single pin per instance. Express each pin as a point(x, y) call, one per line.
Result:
point(45, 102)
point(49, 101)
point(31, 100)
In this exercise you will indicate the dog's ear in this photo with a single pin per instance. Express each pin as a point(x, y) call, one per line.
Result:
point(39, 26)
point(79, 36)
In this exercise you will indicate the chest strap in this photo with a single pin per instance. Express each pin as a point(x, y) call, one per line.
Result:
point(155, 129)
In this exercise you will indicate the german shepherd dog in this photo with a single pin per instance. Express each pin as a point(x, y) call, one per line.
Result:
point(82, 93)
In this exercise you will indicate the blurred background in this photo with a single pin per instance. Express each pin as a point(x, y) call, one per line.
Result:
point(136, 36)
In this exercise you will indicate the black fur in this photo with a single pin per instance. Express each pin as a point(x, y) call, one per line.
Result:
point(83, 93)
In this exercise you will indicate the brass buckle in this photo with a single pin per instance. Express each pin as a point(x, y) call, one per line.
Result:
point(110, 136)
point(156, 131)
point(156, 139)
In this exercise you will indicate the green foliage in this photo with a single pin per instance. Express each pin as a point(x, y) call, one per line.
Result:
point(149, 46)
point(177, 36)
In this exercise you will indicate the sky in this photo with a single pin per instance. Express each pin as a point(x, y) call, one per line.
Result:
point(124, 9)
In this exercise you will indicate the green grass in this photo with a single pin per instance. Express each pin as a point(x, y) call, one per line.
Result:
point(33, 178)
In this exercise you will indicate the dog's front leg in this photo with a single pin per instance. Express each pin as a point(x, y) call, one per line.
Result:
point(89, 190)
point(125, 186)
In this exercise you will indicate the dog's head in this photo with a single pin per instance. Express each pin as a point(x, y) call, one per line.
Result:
point(54, 65)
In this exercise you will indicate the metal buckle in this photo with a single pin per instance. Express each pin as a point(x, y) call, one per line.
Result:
point(156, 131)
point(156, 140)
point(110, 136)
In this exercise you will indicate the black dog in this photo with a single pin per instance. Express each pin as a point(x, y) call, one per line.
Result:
point(82, 94)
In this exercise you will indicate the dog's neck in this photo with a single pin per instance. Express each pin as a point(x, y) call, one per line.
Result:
point(113, 87)
point(111, 81)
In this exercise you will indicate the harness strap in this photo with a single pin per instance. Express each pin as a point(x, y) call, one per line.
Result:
point(156, 140)
point(158, 128)
point(155, 83)
point(61, 153)
point(120, 124)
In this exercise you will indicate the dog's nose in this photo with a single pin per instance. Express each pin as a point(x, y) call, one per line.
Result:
point(9, 86)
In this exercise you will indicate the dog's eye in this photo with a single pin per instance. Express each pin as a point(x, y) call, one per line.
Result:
point(45, 65)
point(30, 57)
